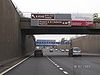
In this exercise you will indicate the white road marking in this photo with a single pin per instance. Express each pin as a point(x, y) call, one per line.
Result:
point(65, 72)
point(13, 66)
point(61, 68)
point(57, 66)
point(53, 62)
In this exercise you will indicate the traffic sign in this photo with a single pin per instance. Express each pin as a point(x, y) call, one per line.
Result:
point(42, 16)
point(54, 22)
point(50, 16)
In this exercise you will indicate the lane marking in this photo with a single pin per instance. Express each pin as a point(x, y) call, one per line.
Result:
point(51, 60)
point(55, 64)
point(61, 68)
point(65, 72)
point(58, 66)
point(13, 66)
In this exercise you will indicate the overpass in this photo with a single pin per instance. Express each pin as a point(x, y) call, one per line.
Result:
point(40, 42)
point(27, 29)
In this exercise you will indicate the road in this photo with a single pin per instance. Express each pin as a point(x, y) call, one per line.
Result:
point(62, 65)
point(79, 65)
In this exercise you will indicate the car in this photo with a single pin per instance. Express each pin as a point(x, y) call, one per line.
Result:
point(67, 50)
point(38, 53)
point(56, 49)
point(75, 51)
point(62, 50)
point(51, 50)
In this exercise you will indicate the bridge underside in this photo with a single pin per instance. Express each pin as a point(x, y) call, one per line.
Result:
point(60, 30)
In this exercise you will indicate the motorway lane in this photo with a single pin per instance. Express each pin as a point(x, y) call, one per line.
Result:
point(71, 65)
point(79, 65)
point(36, 66)
point(65, 62)
point(54, 53)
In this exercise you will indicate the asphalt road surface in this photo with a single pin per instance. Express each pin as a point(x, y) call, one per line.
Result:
point(58, 65)
point(79, 65)
point(36, 66)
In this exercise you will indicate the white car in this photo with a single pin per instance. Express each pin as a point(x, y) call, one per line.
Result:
point(67, 50)
point(62, 50)
point(51, 50)
point(75, 51)
point(56, 49)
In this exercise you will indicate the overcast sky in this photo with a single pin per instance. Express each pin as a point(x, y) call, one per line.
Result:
point(58, 6)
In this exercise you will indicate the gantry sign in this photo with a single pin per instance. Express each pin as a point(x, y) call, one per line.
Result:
point(50, 19)
point(61, 24)
point(67, 20)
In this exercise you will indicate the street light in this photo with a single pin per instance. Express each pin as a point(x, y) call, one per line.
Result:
point(71, 41)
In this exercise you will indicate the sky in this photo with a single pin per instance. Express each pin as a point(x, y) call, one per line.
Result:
point(57, 6)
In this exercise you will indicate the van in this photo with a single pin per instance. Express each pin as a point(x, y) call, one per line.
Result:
point(38, 53)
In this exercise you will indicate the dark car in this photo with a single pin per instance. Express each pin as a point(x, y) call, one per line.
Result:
point(38, 53)
point(51, 50)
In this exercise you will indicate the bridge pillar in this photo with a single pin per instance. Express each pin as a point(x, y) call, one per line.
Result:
point(23, 43)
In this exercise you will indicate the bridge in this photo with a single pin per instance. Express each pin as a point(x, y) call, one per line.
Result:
point(26, 28)
point(50, 42)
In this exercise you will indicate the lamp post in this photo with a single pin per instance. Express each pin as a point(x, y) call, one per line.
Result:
point(71, 41)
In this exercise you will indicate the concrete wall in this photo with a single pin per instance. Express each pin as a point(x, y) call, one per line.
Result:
point(88, 44)
point(97, 26)
point(64, 46)
point(10, 45)
point(25, 23)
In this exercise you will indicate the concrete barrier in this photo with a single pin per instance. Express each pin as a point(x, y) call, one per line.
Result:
point(9, 31)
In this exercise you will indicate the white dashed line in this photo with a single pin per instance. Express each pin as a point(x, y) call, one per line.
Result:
point(13, 66)
point(53, 62)
point(65, 72)
point(57, 66)
point(61, 68)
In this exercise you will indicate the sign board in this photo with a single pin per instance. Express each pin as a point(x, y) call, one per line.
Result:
point(75, 19)
point(51, 16)
point(50, 23)
point(54, 22)
point(80, 17)
point(39, 19)
point(42, 16)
